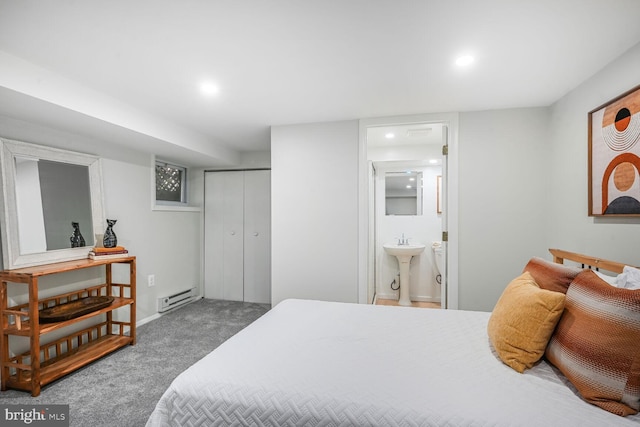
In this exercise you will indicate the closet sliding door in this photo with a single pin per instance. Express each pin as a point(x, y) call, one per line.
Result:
point(224, 239)
point(257, 236)
point(238, 236)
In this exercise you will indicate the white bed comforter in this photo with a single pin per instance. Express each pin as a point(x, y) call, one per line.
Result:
point(311, 363)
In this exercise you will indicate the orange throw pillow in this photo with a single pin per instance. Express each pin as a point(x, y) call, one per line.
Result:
point(550, 275)
point(522, 322)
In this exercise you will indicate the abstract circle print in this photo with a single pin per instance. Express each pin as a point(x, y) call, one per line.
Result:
point(615, 154)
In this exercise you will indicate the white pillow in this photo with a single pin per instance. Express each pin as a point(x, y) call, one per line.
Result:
point(629, 278)
point(609, 279)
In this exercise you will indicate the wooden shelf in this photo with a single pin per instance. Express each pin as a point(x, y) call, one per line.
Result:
point(71, 361)
point(45, 363)
point(45, 328)
point(60, 267)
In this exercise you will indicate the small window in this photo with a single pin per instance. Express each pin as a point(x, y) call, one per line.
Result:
point(171, 184)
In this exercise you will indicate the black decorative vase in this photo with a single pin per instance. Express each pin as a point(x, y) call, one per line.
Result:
point(110, 240)
point(77, 241)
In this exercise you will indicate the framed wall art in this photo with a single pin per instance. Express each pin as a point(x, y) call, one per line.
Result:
point(614, 157)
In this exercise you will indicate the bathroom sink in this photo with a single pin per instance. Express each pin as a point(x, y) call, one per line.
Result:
point(404, 253)
point(403, 250)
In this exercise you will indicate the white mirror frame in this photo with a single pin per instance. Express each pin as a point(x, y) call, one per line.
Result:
point(385, 166)
point(9, 216)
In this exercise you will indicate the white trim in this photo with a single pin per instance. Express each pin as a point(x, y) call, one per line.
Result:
point(451, 119)
point(415, 298)
point(175, 208)
point(148, 319)
point(425, 299)
point(159, 315)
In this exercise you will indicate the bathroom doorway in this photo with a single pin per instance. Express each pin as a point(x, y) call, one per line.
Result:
point(405, 148)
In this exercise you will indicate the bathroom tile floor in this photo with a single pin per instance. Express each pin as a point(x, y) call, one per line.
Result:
point(420, 304)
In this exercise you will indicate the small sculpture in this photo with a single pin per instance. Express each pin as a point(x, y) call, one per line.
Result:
point(110, 240)
point(77, 241)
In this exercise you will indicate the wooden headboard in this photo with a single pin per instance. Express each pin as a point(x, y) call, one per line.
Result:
point(587, 261)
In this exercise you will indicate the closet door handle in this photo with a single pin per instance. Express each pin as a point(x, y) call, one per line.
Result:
point(233, 233)
point(255, 233)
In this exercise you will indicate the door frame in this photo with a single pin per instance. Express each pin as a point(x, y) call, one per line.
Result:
point(365, 249)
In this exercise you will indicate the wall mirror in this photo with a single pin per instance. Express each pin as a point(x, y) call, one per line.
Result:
point(403, 193)
point(44, 191)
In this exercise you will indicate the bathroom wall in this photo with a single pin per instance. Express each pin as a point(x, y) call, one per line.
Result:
point(425, 228)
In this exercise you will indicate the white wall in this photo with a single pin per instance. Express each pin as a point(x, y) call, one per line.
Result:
point(503, 199)
point(166, 243)
point(249, 160)
point(314, 199)
point(569, 227)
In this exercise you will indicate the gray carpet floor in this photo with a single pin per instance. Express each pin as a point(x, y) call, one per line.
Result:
point(122, 389)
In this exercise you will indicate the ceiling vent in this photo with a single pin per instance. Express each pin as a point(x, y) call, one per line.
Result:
point(418, 133)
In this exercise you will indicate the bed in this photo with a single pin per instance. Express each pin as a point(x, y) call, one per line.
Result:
point(338, 364)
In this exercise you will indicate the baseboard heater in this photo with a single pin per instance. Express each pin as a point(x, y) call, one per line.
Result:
point(176, 300)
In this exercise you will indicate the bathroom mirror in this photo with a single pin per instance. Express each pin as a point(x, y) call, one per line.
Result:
point(44, 190)
point(403, 193)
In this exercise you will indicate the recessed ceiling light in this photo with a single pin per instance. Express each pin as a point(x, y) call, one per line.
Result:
point(464, 60)
point(408, 186)
point(209, 88)
point(389, 135)
point(434, 161)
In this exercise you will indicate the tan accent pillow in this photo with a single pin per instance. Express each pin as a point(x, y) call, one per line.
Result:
point(523, 320)
point(550, 275)
point(597, 343)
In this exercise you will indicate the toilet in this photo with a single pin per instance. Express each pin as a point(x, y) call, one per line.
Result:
point(437, 254)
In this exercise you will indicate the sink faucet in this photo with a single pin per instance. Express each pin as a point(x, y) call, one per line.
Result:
point(403, 241)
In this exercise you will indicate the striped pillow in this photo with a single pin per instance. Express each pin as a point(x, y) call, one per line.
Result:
point(596, 344)
point(551, 276)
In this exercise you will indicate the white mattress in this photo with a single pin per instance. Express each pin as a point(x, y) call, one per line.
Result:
point(334, 364)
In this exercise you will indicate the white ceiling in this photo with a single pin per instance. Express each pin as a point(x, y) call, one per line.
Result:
point(289, 61)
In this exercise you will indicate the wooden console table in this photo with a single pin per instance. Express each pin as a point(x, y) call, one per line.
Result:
point(44, 363)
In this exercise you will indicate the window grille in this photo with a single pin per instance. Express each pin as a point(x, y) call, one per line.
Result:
point(170, 183)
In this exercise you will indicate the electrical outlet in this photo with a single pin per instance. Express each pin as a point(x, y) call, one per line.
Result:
point(151, 280)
